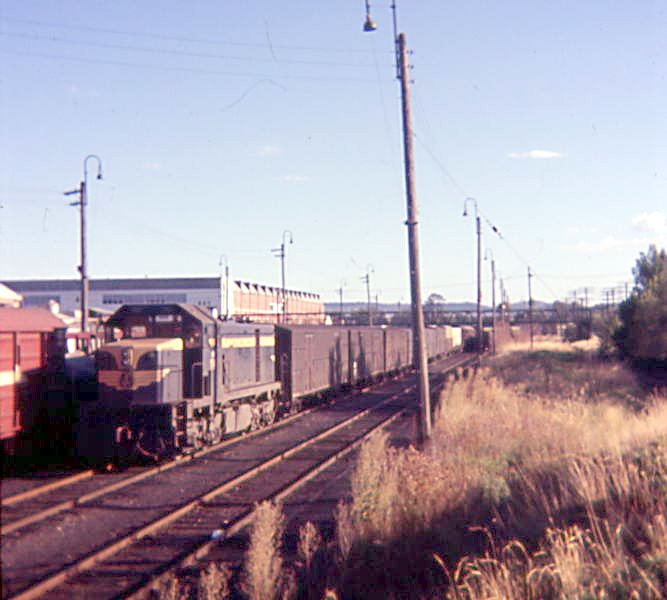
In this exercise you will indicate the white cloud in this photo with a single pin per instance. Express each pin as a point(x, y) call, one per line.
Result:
point(653, 222)
point(295, 178)
point(539, 154)
point(152, 166)
point(76, 91)
point(267, 150)
point(609, 243)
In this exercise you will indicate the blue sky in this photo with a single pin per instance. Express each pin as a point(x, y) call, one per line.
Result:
point(220, 125)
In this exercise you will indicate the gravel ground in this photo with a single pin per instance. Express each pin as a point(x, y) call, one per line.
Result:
point(36, 551)
point(10, 486)
point(130, 567)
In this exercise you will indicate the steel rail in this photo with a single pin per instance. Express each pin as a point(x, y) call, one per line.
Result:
point(12, 526)
point(38, 589)
point(243, 520)
point(42, 489)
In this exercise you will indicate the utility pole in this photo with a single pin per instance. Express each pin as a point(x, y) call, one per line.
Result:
point(478, 226)
point(82, 192)
point(340, 294)
point(367, 280)
point(280, 253)
point(493, 302)
point(226, 284)
point(530, 307)
point(419, 351)
point(502, 300)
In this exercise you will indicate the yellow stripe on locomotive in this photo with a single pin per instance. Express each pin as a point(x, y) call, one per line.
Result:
point(137, 366)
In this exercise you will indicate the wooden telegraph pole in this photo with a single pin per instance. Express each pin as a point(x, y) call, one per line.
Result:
point(419, 350)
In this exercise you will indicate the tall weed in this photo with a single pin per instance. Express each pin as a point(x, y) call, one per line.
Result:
point(572, 473)
point(262, 570)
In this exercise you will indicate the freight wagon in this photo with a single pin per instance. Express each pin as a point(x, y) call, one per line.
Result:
point(317, 360)
point(33, 414)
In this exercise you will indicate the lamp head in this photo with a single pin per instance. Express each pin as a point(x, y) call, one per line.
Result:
point(465, 211)
point(369, 24)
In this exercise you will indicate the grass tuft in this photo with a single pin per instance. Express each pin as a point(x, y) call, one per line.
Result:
point(262, 571)
point(213, 583)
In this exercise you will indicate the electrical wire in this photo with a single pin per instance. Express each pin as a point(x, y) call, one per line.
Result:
point(118, 63)
point(145, 49)
point(488, 221)
point(175, 38)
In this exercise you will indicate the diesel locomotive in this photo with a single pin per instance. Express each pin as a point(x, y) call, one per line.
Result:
point(174, 377)
point(177, 378)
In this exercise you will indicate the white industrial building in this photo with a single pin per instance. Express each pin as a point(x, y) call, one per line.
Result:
point(243, 299)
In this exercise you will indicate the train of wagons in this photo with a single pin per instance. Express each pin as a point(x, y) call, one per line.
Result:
point(173, 378)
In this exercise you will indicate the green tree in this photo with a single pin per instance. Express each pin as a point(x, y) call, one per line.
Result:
point(643, 331)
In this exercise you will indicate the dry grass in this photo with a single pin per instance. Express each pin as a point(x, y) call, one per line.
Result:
point(585, 478)
point(310, 542)
point(213, 583)
point(262, 572)
point(568, 371)
point(622, 554)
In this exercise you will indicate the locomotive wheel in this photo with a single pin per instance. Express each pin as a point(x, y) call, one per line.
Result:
point(268, 415)
point(256, 418)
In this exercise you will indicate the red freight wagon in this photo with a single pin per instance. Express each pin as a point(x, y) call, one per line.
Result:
point(32, 343)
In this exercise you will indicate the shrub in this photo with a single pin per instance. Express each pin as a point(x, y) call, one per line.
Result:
point(643, 332)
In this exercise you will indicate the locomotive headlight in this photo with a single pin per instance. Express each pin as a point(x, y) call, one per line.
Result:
point(126, 357)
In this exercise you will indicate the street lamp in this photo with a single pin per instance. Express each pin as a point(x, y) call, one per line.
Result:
point(82, 192)
point(280, 252)
point(419, 349)
point(479, 269)
point(369, 24)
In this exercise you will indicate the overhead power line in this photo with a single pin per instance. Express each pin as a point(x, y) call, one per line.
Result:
point(120, 63)
point(488, 221)
point(176, 38)
point(171, 52)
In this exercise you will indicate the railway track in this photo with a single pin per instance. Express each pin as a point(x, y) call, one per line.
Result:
point(35, 490)
point(120, 566)
point(66, 493)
